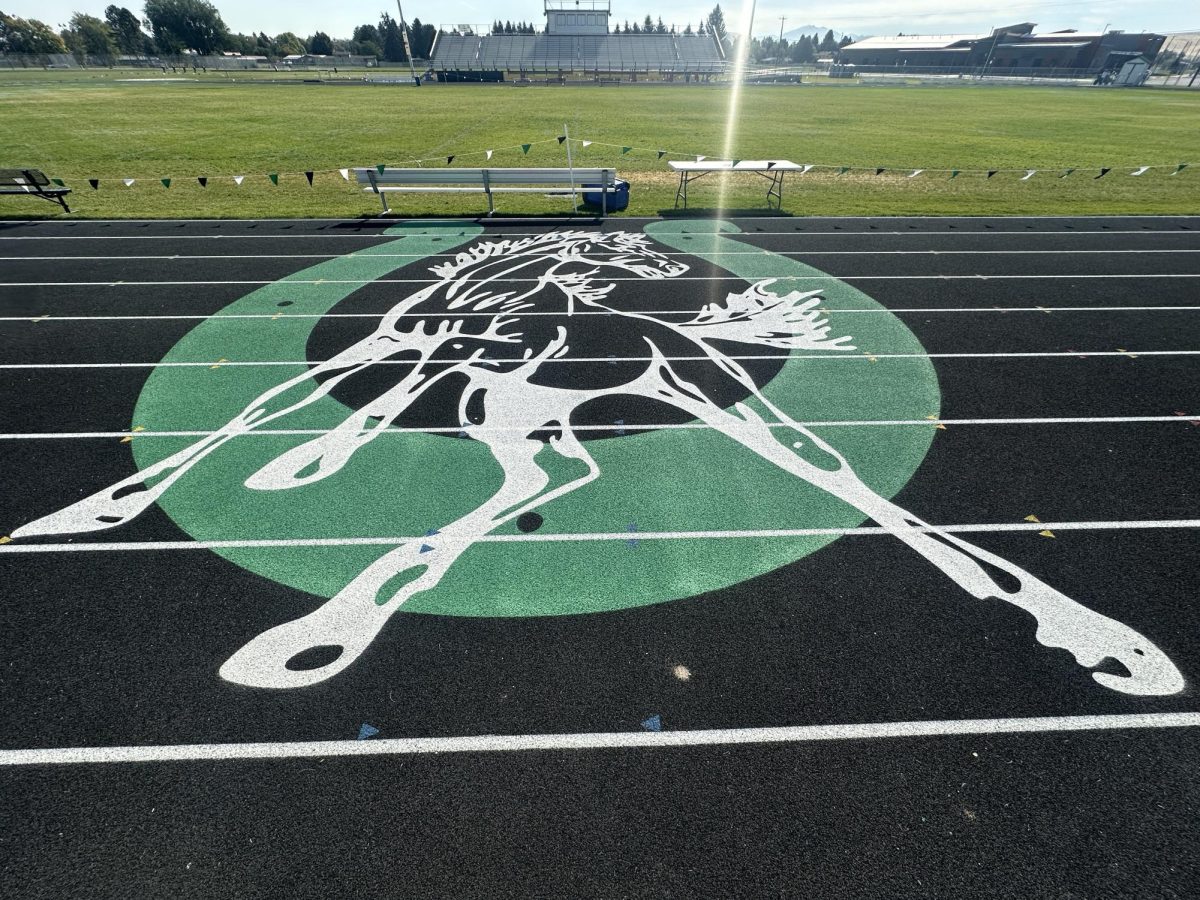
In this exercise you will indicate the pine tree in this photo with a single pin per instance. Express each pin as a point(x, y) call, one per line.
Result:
point(688, 31)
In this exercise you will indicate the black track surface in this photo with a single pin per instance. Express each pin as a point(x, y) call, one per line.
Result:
point(118, 649)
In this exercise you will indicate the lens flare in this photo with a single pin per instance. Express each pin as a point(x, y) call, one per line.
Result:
point(741, 54)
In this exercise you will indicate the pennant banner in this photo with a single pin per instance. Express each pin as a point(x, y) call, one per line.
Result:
point(1029, 174)
point(203, 181)
point(915, 173)
point(525, 148)
point(128, 182)
point(274, 176)
point(1103, 172)
point(166, 182)
point(561, 139)
point(1142, 171)
point(309, 176)
point(449, 160)
point(95, 183)
point(345, 173)
point(238, 179)
point(1181, 167)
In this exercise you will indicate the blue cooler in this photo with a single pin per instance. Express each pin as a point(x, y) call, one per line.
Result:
point(617, 200)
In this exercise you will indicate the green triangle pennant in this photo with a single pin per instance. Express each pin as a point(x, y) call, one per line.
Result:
point(62, 183)
point(625, 150)
point(1178, 169)
point(843, 170)
point(662, 153)
point(274, 176)
point(1066, 173)
point(379, 168)
point(166, 182)
point(525, 148)
point(954, 173)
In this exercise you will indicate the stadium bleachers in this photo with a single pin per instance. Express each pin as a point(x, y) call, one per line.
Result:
point(580, 53)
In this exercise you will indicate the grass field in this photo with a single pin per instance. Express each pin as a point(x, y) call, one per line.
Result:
point(100, 126)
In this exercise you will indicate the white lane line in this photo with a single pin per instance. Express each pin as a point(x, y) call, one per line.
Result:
point(687, 426)
point(497, 235)
point(50, 318)
point(623, 535)
point(759, 252)
point(650, 740)
point(852, 356)
point(704, 278)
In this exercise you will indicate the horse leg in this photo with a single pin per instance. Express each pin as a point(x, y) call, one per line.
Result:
point(1089, 636)
point(131, 496)
point(350, 620)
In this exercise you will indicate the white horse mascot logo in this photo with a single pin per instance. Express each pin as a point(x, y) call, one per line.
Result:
point(505, 340)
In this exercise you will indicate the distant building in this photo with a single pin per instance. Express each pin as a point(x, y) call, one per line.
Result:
point(1014, 49)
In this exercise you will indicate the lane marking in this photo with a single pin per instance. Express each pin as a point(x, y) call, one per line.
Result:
point(1178, 417)
point(589, 312)
point(498, 743)
point(538, 537)
point(702, 278)
point(1048, 354)
point(707, 253)
point(582, 227)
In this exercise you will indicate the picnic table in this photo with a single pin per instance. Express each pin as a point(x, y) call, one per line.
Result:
point(771, 169)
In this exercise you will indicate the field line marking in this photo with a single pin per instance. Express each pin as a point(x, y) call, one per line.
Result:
point(707, 253)
point(51, 319)
point(649, 740)
point(765, 533)
point(850, 356)
point(648, 426)
point(631, 278)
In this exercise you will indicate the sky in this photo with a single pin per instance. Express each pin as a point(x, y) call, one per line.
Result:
point(862, 17)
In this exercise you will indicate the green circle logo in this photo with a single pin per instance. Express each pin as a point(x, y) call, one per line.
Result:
point(672, 513)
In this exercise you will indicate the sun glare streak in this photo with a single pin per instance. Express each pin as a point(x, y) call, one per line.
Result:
point(741, 54)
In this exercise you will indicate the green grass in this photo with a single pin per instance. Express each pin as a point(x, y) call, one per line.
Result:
point(91, 126)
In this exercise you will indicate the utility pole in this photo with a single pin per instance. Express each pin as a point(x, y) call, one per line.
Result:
point(407, 46)
point(782, 19)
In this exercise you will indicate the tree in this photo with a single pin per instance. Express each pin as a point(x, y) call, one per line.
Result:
point(422, 39)
point(660, 28)
point(320, 44)
point(187, 25)
point(289, 44)
point(637, 29)
point(393, 41)
point(716, 24)
point(648, 25)
point(89, 36)
point(803, 50)
point(829, 42)
point(701, 31)
point(846, 41)
point(126, 30)
point(688, 31)
point(28, 36)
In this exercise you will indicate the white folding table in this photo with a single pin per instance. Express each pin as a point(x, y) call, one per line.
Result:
point(771, 169)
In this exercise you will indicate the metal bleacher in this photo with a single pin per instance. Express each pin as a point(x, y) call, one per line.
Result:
point(611, 53)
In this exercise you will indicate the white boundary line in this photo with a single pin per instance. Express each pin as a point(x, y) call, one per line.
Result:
point(382, 235)
point(764, 533)
point(708, 253)
point(851, 356)
point(362, 282)
point(595, 741)
point(40, 319)
point(698, 426)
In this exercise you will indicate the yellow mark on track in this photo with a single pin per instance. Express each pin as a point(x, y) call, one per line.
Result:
point(219, 361)
point(5, 540)
point(1046, 533)
point(129, 437)
point(1032, 519)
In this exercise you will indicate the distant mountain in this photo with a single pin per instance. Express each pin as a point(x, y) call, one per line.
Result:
point(793, 34)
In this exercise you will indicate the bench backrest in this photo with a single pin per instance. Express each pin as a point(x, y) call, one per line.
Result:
point(493, 176)
point(20, 177)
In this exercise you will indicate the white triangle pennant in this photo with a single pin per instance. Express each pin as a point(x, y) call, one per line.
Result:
point(238, 179)
point(128, 182)
point(915, 172)
point(1029, 173)
point(701, 158)
point(1142, 171)
point(806, 169)
point(587, 143)
point(489, 154)
point(345, 173)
